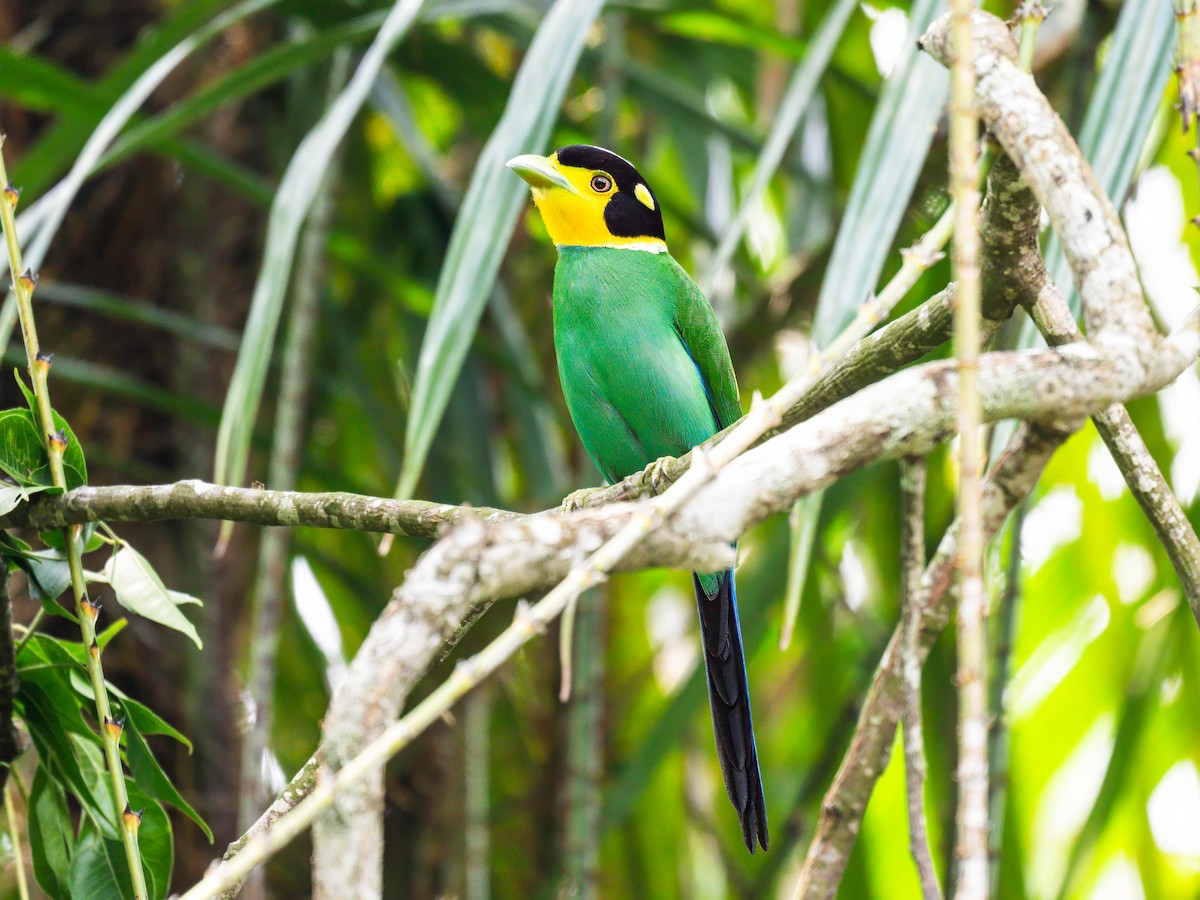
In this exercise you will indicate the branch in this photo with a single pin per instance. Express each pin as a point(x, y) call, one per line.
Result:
point(10, 747)
point(912, 563)
point(194, 499)
point(1011, 479)
point(908, 414)
point(1142, 474)
point(1034, 137)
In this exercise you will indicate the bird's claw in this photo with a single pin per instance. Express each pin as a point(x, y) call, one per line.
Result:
point(659, 479)
point(574, 500)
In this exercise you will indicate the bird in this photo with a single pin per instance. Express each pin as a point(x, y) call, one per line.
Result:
point(646, 375)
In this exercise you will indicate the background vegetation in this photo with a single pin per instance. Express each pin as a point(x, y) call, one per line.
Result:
point(146, 289)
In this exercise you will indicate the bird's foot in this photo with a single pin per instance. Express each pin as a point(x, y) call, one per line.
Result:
point(659, 479)
point(574, 500)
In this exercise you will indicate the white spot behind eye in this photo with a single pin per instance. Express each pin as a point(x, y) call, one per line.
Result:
point(643, 194)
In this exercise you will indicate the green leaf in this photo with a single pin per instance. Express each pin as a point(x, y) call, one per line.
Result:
point(50, 831)
point(47, 727)
point(148, 721)
point(23, 455)
point(12, 496)
point(155, 838)
point(293, 200)
point(792, 108)
point(489, 212)
point(145, 768)
point(139, 589)
point(87, 542)
point(51, 209)
point(49, 575)
point(897, 143)
point(95, 874)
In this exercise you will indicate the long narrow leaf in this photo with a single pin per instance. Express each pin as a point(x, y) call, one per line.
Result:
point(897, 144)
point(52, 208)
point(489, 213)
point(791, 110)
point(292, 203)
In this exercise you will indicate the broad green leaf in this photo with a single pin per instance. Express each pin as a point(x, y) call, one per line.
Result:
point(51, 209)
point(145, 768)
point(139, 589)
point(787, 119)
point(717, 28)
point(47, 721)
point(23, 455)
point(155, 838)
point(489, 212)
point(93, 875)
point(148, 721)
point(48, 574)
point(50, 833)
point(293, 200)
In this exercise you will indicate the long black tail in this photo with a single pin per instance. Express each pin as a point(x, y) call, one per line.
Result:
point(729, 699)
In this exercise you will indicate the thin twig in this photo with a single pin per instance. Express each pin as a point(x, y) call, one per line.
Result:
point(972, 818)
point(998, 735)
point(477, 717)
point(1143, 476)
point(1012, 477)
point(585, 753)
point(55, 443)
point(912, 564)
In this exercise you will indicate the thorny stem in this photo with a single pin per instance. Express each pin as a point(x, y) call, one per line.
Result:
point(912, 564)
point(764, 415)
point(87, 612)
point(972, 819)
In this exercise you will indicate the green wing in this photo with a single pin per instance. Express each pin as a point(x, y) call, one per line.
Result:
point(701, 334)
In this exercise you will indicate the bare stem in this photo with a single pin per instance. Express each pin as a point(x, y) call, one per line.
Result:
point(912, 564)
point(54, 442)
point(14, 834)
point(972, 818)
point(998, 735)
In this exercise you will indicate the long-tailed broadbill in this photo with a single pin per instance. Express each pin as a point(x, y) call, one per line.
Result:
point(646, 374)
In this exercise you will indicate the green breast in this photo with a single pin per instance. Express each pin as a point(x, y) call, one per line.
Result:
point(633, 390)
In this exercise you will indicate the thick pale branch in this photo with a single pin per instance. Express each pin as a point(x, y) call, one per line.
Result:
point(1146, 481)
point(1035, 138)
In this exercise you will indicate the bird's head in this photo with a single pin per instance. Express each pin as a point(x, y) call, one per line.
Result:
point(590, 197)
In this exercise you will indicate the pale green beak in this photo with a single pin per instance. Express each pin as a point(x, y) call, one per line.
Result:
point(539, 173)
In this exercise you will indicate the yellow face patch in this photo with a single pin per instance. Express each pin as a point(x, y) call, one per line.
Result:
point(576, 218)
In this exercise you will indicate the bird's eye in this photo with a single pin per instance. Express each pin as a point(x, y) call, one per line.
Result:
point(601, 184)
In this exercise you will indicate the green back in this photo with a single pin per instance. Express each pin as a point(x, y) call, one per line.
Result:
point(642, 360)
